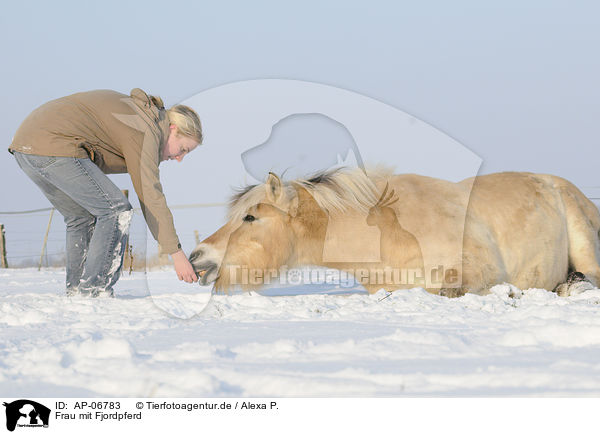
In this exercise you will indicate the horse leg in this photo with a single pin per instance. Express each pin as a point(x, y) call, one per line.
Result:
point(482, 263)
point(583, 224)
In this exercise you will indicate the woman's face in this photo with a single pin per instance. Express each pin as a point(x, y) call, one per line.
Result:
point(178, 146)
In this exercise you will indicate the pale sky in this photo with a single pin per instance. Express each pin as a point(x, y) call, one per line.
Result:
point(517, 83)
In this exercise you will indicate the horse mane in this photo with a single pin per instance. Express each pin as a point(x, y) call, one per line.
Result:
point(335, 191)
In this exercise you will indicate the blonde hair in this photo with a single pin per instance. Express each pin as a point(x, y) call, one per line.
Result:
point(183, 117)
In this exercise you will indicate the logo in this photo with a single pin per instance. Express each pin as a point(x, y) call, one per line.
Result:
point(300, 130)
point(26, 413)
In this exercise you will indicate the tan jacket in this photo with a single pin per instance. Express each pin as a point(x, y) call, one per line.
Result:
point(119, 133)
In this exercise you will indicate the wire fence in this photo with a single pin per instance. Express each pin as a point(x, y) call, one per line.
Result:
point(25, 232)
point(25, 244)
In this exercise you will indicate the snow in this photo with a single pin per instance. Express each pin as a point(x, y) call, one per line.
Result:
point(123, 222)
point(161, 337)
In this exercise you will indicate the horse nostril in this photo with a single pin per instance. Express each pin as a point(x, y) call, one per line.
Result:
point(195, 255)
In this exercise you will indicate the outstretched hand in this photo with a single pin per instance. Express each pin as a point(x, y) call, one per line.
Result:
point(183, 268)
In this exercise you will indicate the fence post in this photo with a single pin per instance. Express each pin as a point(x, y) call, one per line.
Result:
point(197, 236)
point(45, 239)
point(128, 259)
point(3, 261)
point(163, 258)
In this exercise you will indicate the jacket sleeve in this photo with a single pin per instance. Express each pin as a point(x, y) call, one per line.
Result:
point(142, 159)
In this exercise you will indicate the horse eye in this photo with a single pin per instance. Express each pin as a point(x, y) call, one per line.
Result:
point(249, 218)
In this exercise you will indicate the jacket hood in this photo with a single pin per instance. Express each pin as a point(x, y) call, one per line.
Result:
point(155, 113)
point(143, 101)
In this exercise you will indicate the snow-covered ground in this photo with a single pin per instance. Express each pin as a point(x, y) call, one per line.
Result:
point(165, 339)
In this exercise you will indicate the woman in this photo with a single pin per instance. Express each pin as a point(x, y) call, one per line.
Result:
point(67, 146)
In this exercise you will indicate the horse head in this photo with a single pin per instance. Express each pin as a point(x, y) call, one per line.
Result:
point(258, 234)
point(277, 224)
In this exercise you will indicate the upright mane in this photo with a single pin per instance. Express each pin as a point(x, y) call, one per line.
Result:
point(335, 191)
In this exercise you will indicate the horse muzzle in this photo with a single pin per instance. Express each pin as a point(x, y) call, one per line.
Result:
point(207, 272)
point(205, 261)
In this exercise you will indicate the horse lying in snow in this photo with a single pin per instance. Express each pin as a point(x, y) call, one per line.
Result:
point(529, 230)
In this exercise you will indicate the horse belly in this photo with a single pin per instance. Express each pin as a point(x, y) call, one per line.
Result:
point(524, 226)
point(544, 264)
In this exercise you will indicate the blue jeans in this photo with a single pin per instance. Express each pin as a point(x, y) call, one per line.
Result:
point(97, 215)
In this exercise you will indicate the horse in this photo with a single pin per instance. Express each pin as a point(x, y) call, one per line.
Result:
point(528, 230)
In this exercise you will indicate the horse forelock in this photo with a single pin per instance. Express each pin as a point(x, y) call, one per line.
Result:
point(249, 196)
point(334, 191)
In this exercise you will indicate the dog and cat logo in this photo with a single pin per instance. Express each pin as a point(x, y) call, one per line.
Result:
point(25, 413)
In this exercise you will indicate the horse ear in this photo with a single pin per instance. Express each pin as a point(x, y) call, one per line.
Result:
point(274, 189)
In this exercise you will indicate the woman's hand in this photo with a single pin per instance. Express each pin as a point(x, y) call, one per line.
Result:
point(183, 268)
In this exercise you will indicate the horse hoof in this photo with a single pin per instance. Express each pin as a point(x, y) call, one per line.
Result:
point(576, 284)
point(452, 292)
